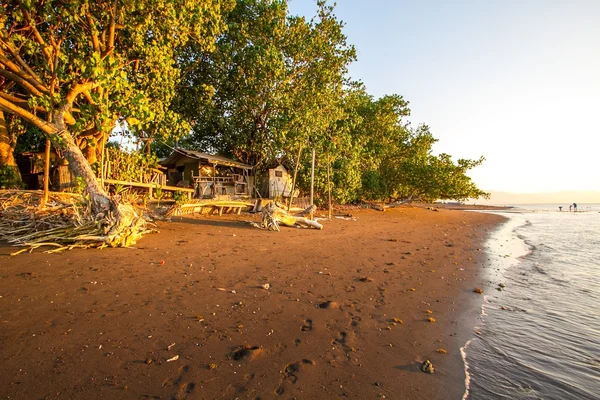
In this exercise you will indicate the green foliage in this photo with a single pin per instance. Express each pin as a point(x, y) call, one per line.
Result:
point(180, 197)
point(159, 194)
point(131, 167)
point(102, 61)
point(79, 185)
point(272, 82)
point(120, 188)
point(31, 140)
point(10, 178)
point(377, 156)
point(242, 78)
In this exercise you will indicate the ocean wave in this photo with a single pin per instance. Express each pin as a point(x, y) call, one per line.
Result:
point(552, 352)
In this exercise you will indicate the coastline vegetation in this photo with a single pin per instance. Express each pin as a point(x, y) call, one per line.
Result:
point(242, 78)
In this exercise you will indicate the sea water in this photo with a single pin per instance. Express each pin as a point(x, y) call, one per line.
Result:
point(539, 336)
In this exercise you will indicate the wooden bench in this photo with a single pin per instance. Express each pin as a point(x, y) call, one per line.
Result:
point(151, 186)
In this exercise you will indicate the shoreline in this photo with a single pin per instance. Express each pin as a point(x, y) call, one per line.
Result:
point(102, 324)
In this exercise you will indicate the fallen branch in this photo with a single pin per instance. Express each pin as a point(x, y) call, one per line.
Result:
point(383, 207)
point(273, 216)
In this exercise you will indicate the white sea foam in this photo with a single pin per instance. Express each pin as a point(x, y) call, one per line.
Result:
point(463, 354)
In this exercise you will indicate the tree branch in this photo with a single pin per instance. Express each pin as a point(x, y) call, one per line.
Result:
point(89, 132)
point(21, 80)
point(110, 45)
point(95, 40)
point(27, 116)
point(23, 65)
point(38, 38)
point(69, 120)
point(78, 89)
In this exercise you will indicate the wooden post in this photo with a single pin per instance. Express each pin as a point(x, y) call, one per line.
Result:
point(295, 176)
point(46, 173)
point(312, 182)
point(329, 182)
point(214, 181)
point(102, 160)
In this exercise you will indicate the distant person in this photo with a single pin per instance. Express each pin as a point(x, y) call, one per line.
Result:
point(575, 206)
point(570, 206)
point(559, 208)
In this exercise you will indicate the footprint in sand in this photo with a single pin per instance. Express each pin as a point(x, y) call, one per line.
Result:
point(307, 326)
point(346, 341)
point(174, 381)
point(290, 374)
point(329, 305)
point(247, 353)
point(185, 390)
point(355, 320)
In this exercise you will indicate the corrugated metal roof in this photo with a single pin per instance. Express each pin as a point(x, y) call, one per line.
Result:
point(210, 158)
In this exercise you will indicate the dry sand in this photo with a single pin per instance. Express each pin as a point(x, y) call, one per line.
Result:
point(90, 324)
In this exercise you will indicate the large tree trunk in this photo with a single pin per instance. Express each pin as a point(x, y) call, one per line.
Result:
point(7, 159)
point(123, 226)
point(81, 168)
point(125, 223)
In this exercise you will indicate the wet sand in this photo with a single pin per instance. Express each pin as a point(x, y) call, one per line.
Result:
point(345, 316)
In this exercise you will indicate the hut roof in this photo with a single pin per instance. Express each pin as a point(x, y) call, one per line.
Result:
point(211, 159)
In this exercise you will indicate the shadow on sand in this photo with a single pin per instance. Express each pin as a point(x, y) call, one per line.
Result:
point(221, 223)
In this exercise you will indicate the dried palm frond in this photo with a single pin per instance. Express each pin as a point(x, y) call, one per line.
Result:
point(65, 222)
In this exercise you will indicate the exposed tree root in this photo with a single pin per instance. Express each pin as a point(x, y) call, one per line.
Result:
point(272, 216)
point(66, 222)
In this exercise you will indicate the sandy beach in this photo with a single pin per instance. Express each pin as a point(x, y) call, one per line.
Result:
point(350, 312)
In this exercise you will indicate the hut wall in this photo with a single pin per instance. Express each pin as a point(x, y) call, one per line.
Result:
point(279, 182)
point(251, 182)
point(189, 169)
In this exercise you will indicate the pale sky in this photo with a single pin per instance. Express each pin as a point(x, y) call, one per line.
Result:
point(515, 81)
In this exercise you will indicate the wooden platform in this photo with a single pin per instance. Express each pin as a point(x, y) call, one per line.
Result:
point(209, 206)
point(151, 186)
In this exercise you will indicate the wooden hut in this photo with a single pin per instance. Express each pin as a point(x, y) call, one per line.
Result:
point(31, 167)
point(208, 174)
point(276, 182)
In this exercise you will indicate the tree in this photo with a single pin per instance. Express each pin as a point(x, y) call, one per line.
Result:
point(73, 68)
point(268, 87)
point(413, 171)
point(11, 127)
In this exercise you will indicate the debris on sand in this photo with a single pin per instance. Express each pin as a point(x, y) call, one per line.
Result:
point(66, 222)
point(478, 290)
point(273, 215)
point(174, 358)
point(427, 367)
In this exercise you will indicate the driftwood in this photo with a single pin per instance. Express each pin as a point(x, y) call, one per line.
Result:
point(273, 216)
point(383, 207)
point(310, 209)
